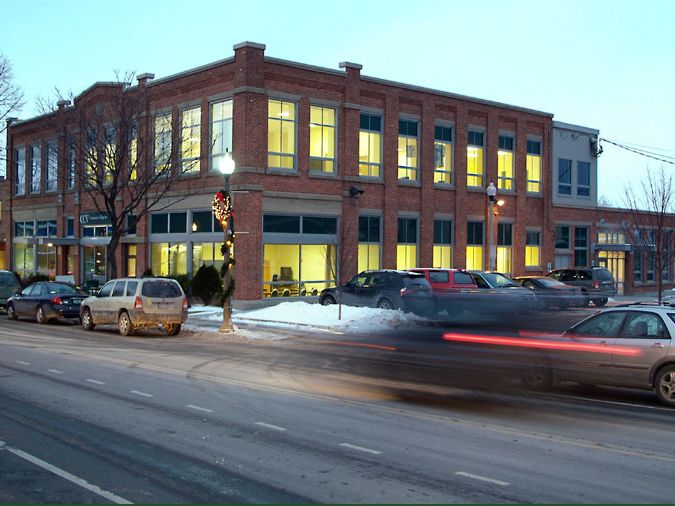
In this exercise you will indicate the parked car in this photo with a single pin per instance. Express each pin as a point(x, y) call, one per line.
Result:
point(552, 293)
point(506, 296)
point(597, 283)
point(626, 346)
point(45, 301)
point(454, 289)
point(133, 303)
point(9, 285)
point(386, 289)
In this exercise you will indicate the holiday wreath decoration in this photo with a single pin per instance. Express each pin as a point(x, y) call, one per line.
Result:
point(221, 205)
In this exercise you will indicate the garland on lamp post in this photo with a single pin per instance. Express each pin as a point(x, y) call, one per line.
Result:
point(221, 206)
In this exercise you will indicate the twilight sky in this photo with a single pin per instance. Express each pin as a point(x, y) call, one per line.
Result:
point(604, 64)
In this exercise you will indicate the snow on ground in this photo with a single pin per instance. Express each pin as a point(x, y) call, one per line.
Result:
point(302, 314)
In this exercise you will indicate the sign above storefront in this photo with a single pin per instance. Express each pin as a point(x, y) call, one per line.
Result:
point(94, 219)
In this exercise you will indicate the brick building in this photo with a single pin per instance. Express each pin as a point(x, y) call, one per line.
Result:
point(335, 172)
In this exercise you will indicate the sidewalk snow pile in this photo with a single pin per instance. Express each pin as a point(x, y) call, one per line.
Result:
point(315, 315)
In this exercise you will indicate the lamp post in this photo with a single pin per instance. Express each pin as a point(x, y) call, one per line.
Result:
point(491, 192)
point(222, 208)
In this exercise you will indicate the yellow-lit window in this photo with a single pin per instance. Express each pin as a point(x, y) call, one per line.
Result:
point(369, 243)
point(532, 249)
point(370, 145)
point(442, 257)
point(406, 248)
point(168, 259)
point(163, 134)
point(534, 166)
point(281, 267)
point(474, 245)
point(322, 139)
point(443, 155)
point(190, 139)
point(474, 257)
point(504, 259)
point(407, 150)
point(281, 134)
point(369, 256)
point(133, 154)
point(318, 268)
point(474, 159)
point(505, 163)
point(131, 260)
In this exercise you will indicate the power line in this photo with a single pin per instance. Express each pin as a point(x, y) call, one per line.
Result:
point(642, 153)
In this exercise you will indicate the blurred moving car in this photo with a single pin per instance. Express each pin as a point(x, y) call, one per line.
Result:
point(385, 289)
point(134, 303)
point(626, 346)
point(45, 301)
point(597, 283)
point(9, 285)
point(552, 293)
point(507, 296)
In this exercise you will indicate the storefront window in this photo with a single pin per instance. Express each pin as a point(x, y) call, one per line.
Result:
point(298, 269)
point(207, 253)
point(131, 260)
point(169, 259)
point(46, 259)
point(369, 243)
point(24, 260)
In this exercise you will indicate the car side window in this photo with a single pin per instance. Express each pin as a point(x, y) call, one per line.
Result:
point(131, 288)
point(118, 291)
point(555, 275)
point(644, 325)
point(480, 281)
point(377, 280)
point(584, 276)
point(106, 290)
point(528, 284)
point(603, 325)
point(38, 290)
point(462, 278)
point(439, 276)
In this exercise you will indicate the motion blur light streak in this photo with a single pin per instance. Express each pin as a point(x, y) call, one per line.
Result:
point(362, 345)
point(533, 343)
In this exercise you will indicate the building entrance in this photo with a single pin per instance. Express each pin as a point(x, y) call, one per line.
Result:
point(93, 265)
point(615, 262)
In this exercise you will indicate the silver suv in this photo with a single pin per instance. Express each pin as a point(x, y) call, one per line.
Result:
point(627, 346)
point(132, 303)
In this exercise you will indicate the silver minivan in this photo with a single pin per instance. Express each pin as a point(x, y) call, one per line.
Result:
point(133, 303)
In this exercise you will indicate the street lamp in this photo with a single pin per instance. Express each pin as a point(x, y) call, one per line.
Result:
point(222, 208)
point(491, 192)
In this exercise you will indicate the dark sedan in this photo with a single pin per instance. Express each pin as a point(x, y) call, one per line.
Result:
point(552, 293)
point(45, 301)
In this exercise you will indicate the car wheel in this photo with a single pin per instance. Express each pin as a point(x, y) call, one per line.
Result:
point(124, 323)
point(87, 320)
point(385, 304)
point(40, 316)
point(599, 302)
point(664, 386)
point(11, 313)
point(173, 329)
point(537, 374)
point(327, 300)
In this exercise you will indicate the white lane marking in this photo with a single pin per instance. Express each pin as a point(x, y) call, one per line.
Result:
point(205, 410)
point(22, 362)
point(361, 448)
point(65, 475)
point(55, 371)
point(483, 478)
point(95, 382)
point(617, 403)
point(142, 394)
point(270, 426)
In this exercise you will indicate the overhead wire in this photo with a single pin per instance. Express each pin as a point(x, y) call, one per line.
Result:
point(648, 154)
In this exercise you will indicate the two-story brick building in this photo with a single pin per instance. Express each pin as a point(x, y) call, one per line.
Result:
point(335, 172)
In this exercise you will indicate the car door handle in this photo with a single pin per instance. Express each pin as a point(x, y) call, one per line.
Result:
point(657, 345)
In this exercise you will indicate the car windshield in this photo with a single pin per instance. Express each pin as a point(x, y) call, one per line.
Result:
point(163, 289)
point(498, 280)
point(548, 282)
point(61, 289)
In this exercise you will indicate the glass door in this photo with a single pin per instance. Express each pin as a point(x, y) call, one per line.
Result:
point(93, 265)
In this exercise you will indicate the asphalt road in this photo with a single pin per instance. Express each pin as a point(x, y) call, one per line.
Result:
point(96, 417)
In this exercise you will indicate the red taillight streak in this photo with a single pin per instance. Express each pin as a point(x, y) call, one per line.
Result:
point(186, 304)
point(138, 303)
point(550, 345)
point(56, 300)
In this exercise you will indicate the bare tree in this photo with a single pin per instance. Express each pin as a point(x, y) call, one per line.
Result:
point(127, 160)
point(649, 207)
point(604, 201)
point(11, 101)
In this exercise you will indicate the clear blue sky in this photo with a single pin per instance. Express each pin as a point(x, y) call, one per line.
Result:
point(606, 64)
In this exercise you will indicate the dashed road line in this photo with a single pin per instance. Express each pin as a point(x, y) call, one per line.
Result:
point(55, 371)
point(142, 394)
point(197, 408)
point(361, 449)
point(21, 362)
point(95, 382)
point(270, 426)
point(65, 475)
point(483, 478)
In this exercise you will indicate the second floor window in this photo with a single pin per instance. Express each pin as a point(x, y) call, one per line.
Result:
point(190, 139)
point(370, 145)
point(407, 150)
point(505, 163)
point(281, 134)
point(221, 132)
point(52, 166)
point(564, 176)
point(474, 159)
point(163, 134)
point(443, 155)
point(19, 171)
point(583, 179)
point(322, 139)
point(534, 167)
point(35, 168)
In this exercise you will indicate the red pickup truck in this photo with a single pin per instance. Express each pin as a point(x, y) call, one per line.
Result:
point(454, 289)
